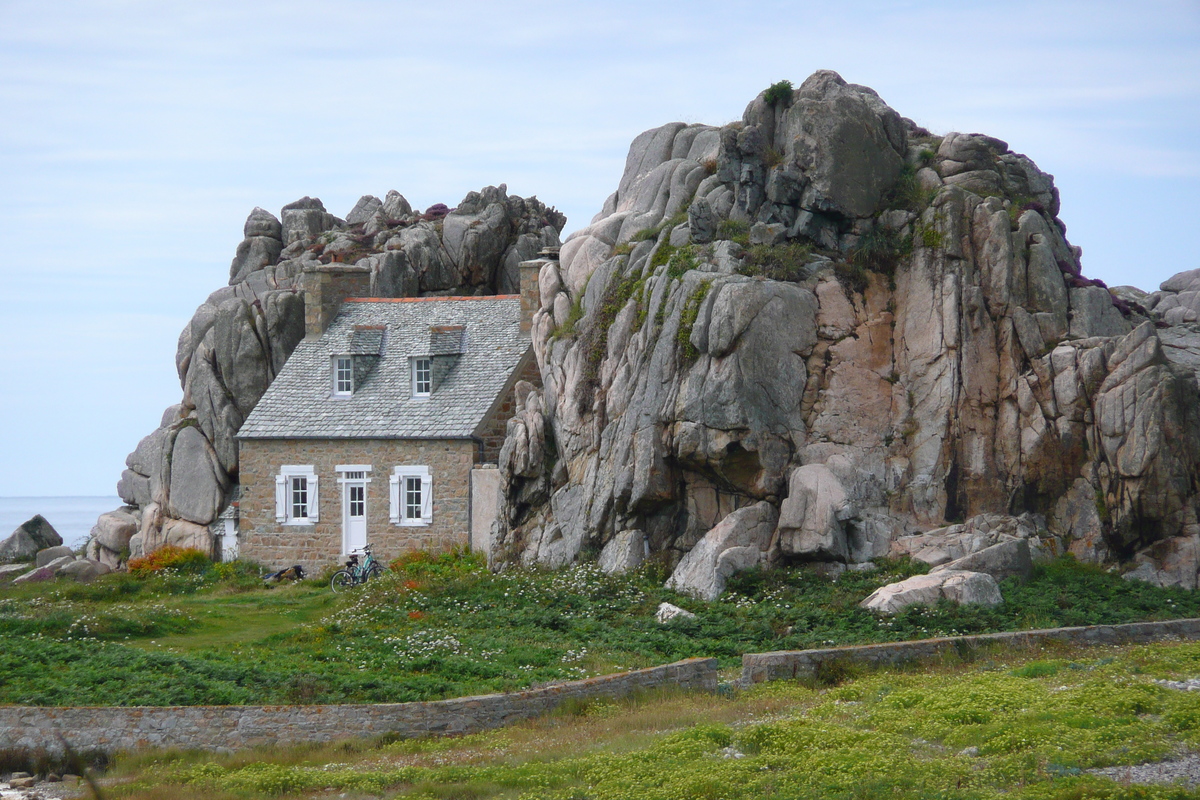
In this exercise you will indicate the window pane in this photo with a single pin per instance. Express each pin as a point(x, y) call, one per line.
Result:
point(345, 376)
point(358, 501)
point(299, 497)
point(422, 376)
point(412, 497)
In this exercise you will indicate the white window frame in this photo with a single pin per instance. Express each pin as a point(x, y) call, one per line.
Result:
point(335, 368)
point(414, 363)
point(397, 496)
point(284, 483)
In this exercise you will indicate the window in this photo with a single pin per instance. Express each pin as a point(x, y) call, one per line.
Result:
point(422, 377)
point(411, 496)
point(343, 375)
point(296, 495)
point(298, 491)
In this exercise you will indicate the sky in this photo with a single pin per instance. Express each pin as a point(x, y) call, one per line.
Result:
point(139, 135)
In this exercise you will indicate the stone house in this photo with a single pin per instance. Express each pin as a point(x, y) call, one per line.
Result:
point(381, 424)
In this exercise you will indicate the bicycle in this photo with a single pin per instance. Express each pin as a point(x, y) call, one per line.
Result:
point(355, 573)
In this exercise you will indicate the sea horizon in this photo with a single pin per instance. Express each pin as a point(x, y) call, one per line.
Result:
point(71, 515)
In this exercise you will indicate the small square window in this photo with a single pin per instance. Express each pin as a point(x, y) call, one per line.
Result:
point(343, 375)
point(422, 377)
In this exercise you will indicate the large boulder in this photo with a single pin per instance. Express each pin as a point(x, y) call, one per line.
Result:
point(812, 516)
point(1008, 559)
point(624, 552)
point(1171, 562)
point(44, 557)
point(956, 585)
point(180, 533)
point(44, 572)
point(82, 570)
point(31, 536)
point(110, 537)
point(197, 482)
point(304, 219)
point(10, 571)
point(834, 134)
point(741, 541)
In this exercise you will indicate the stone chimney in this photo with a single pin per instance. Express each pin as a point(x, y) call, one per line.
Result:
point(325, 288)
point(531, 296)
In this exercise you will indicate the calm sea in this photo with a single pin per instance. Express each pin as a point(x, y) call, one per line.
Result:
point(72, 517)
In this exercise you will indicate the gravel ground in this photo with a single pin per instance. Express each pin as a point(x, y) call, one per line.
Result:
point(1185, 769)
point(44, 791)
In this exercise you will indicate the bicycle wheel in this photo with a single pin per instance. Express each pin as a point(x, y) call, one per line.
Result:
point(374, 572)
point(341, 580)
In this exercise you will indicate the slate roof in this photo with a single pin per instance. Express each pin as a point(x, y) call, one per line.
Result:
point(300, 402)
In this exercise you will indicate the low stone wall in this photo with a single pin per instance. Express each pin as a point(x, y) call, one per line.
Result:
point(225, 728)
point(790, 664)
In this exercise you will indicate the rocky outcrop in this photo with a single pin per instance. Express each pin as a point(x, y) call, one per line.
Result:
point(182, 475)
point(874, 330)
point(31, 536)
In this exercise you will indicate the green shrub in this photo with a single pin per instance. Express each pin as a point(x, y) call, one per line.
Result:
point(778, 92)
point(929, 236)
point(662, 255)
point(687, 319)
point(907, 193)
point(784, 262)
point(852, 277)
point(180, 559)
point(880, 250)
point(735, 230)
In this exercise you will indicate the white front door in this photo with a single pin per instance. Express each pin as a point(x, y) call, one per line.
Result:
point(354, 512)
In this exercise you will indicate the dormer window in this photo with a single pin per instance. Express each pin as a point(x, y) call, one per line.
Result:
point(343, 375)
point(422, 376)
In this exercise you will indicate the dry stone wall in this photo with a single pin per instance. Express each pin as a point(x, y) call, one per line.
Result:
point(805, 664)
point(228, 728)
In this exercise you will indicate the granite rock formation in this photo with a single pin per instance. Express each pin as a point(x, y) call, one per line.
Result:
point(183, 474)
point(827, 311)
point(30, 537)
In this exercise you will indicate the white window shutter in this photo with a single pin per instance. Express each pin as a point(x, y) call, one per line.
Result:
point(426, 498)
point(394, 498)
point(313, 503)
point(281, 498)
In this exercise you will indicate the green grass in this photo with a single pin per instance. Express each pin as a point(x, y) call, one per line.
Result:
point(783, 262)
point(1022, 725)
point(447, 627)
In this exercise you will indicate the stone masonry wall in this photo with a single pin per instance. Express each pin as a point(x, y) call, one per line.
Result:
point(493, 433)
point(227, 728)
point(792, 664)
point(277, 545)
